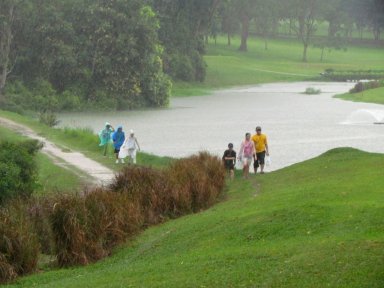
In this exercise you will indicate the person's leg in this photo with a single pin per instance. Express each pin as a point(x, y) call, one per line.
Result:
point(255, 165)
point(247, 171)
point(261, 159)
point(105, 149)
point(232, 174)
point(117, 155)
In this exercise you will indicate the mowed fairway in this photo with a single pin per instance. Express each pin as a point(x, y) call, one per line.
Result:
point(315, 224)
point(372, 96)
point(281, 62)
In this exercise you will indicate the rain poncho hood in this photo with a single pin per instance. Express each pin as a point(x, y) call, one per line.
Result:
point(105, 134)
point(118, 137)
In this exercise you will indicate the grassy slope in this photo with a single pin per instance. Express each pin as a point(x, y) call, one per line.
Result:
point(314, 224)
point(65, 180)
point(281, 62)
point(371, 96)
point(83, 141)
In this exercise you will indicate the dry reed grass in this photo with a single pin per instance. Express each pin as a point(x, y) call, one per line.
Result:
point(19, 246)
point(83, 228)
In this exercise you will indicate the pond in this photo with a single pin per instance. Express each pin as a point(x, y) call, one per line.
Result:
point(298, 126)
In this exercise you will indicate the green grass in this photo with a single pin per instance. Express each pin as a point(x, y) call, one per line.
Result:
point(314, 224)
point(371, 96)
point(227, 67)
point(65, 179)
point(82, 140)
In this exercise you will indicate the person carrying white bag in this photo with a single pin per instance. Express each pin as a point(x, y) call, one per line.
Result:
point(129, 148)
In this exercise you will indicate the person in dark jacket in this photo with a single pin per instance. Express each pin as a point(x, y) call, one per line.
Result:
point(118, 139)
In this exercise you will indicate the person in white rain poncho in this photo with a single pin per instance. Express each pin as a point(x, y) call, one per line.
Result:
point(129, 148)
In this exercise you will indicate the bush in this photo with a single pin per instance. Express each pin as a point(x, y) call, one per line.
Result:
point(81, 229)
point(39, 211)
point(18, 171)
point(361, 86)
point(148, 188)
point(196, 182)
point(312, 91)
point(87, 227)
point(48, 118)
point(19, 247)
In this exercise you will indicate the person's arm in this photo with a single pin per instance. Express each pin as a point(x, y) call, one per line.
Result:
point(138, 146)
point(241, 151)
point(266, 146)
point(254, 151)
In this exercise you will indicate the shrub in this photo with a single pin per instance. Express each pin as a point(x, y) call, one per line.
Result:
point(361, 86)
point(312, 91)
point(358, 88)
point(68, 220)
point(18, 169)
point(39, 211)
point(19, 247)
point(48, 118)
point(196, 182)
point(147, 187)
point(87, 227)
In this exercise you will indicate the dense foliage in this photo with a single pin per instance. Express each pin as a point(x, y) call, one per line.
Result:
point(119, 54)
point(80, 53)
point(18, 169)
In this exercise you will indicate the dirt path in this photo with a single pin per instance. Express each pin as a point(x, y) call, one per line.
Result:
point(94, 172)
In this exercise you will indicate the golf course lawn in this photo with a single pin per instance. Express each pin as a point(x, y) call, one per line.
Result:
point(314, 224)
point(227, 67)
point(371, 96)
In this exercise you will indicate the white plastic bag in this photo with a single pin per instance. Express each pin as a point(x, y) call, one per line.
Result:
point(268, 161)
point(239, 164)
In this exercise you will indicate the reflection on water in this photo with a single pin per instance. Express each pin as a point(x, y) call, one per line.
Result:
point(298, 126)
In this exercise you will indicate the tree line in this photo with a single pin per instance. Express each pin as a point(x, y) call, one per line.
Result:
point(122, 54)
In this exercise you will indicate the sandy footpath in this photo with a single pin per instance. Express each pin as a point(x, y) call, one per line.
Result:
point(94, 172)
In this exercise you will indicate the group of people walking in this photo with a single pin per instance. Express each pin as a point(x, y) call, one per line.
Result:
point(123, 146)
point(253, 148)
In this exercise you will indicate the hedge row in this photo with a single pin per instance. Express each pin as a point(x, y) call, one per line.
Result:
point(83, 228)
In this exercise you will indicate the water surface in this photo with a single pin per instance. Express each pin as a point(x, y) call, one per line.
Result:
point(298, 126)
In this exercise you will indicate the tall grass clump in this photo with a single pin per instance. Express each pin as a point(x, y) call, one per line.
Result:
point(148, 188)
point(86, 227)
point(82, 228)
point(195, 182)
point(19, 245)
point(39, 210)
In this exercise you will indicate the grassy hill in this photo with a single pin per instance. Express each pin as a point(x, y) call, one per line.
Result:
point(371, 96)
point(226, 66)
point(314, 224)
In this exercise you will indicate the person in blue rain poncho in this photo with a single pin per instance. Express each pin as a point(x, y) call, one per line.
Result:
point(105, 137)
point(118, 139)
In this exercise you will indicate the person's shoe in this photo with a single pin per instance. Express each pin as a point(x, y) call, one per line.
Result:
point(262, 172)
point(122, 161)
point(117, 161)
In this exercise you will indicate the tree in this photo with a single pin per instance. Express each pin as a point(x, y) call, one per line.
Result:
point(266, 18)
point(183, 26)
point(103, 53)
point(376, 19)
point(7, 17)
point(305, 12)
point(331, 42)
point(229, 24)
point(245, 12)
